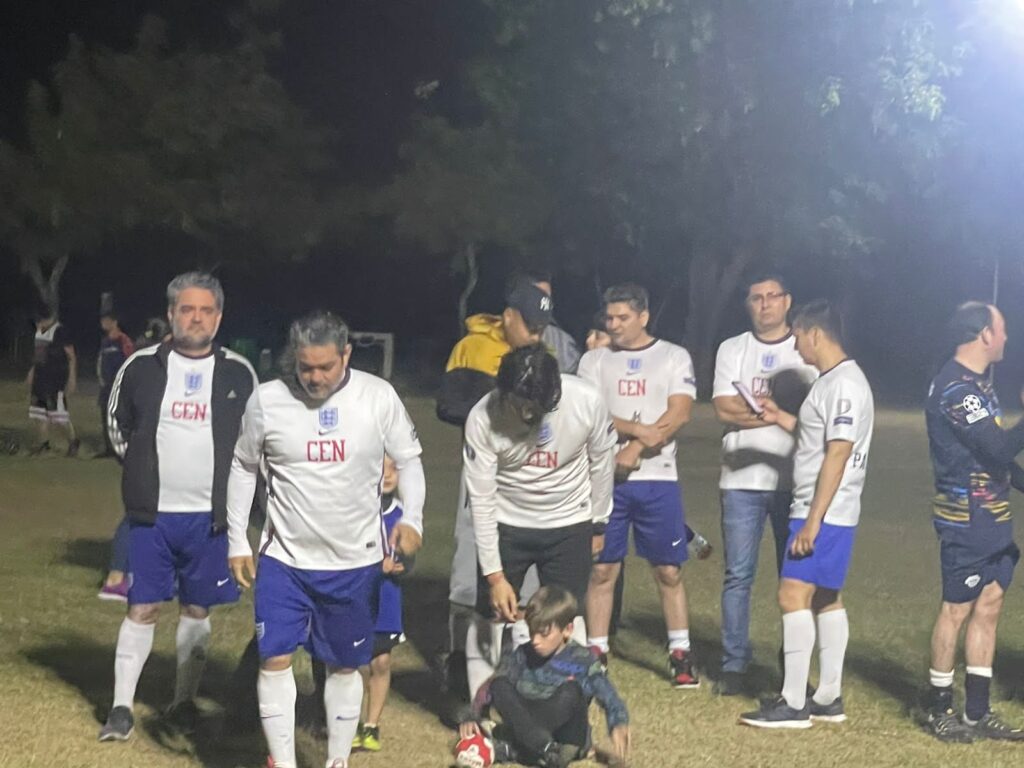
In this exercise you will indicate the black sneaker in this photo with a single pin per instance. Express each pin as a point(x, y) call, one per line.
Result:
point(730, 684)
point(827, 713)
point(945, 725)
point(776, 713)
point(601, 656)
point(504, 752)
point(73, 447)
point(680, 669)
point(119, 726)
point(991, 727)
point(182, 716)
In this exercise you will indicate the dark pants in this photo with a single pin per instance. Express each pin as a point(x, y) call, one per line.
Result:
point(562, 557)
point(119, 547)
point(533, 723)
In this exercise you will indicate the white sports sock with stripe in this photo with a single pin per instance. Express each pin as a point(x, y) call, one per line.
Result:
point(134, 642)
point(276, 693)
point(343, 698)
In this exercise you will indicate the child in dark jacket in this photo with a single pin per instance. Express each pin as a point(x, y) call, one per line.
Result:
point(542, 691)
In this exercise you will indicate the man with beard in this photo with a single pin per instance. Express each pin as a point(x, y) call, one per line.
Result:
point(321, 432)
point(174, 414)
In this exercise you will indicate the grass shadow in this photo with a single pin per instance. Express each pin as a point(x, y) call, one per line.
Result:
point(87, 666)
point(705, 641)
point(88, 553)
point(885, 673)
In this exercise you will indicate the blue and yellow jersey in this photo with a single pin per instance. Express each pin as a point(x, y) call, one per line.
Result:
point(972, 457)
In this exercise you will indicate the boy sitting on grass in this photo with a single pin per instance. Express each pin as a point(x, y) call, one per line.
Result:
point(542, 691)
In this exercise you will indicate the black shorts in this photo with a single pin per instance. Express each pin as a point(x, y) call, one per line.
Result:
point(562, 557)
point(965, 574)
point(386, 642)
point(47, 402)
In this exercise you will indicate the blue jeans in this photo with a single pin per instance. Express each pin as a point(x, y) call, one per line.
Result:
point(119, 548)
point(743, 517)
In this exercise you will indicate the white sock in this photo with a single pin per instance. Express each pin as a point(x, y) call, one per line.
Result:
point(979, 671)
point(940, 679)
point(579, 631)
point(678, 640)
point(193, 637)
point(798, 644)
point(601, 643)
point(343, 698)
point(483, 649)
point(134, 642)
point(276, 694)
point(833, 635)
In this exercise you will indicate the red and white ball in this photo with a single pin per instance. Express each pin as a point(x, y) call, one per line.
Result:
point(474, 752)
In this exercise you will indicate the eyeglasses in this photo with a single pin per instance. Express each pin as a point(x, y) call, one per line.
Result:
point(765, 298)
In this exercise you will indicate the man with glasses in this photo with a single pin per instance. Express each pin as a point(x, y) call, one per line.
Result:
point(757, 458)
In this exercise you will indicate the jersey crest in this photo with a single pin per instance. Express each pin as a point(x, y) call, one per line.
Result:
point(328, 418)
point(633, 365)
point(193, 382)
point(769, 360)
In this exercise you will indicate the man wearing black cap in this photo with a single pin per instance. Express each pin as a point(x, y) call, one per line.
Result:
point(470, 374)
point(974, 461)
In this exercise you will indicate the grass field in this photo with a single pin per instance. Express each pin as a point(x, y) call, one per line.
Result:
point(57, 639)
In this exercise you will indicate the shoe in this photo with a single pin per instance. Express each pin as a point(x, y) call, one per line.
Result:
point(119, 726)
point(73, 447)
point(357, 740)
point(730, 684)
point(680, 669)
point(183, 716)
point(601, 656)
point(371, 738)
point(557, 755)
point(700, 547)
point(40, 449)
point(991, 727)
point(945, 725)
point(776, 713)
point(115, 592)
point(827, 713)
point(503, 751)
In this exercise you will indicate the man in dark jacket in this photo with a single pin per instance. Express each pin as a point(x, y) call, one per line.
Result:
point(174, 415)
point(115, 348)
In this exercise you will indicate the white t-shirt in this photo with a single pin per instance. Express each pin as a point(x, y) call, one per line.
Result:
point(557, 474)
point(636, 385)
point(184, 436)
point(324, 466)
point(761, 459)
point(838, 407)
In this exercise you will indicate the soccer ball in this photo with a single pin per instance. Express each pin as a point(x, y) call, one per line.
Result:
point(474, 752)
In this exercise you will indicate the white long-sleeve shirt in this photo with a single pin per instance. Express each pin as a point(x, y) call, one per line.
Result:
point(557, 474)
point(324, 465)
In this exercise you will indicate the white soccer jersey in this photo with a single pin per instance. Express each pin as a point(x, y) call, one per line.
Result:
point(324, 467)
point(560, 473)
point(184, 436)
point(838, 407)
point(761, 459)
point(636, 385)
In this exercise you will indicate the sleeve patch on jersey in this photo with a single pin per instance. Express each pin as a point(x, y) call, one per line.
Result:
point(470, 453)
point(838, 420)
point(690, 380)
point(975, 416)
point(972, 404)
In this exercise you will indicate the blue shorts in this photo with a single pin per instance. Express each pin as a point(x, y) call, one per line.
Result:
point(654, 509)
point(965, 573)
point(330, 613)
point(179, 555)
point(826, 566)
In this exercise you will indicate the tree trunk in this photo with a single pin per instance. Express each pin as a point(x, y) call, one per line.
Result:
point(48, 287)
point(472, 275)
point(713, 281)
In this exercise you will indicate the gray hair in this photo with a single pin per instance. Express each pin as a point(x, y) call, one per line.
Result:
point(317, 329)
point(203, 280)
point(630, 293)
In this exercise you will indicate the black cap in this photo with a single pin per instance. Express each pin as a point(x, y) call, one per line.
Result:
point(531, 302)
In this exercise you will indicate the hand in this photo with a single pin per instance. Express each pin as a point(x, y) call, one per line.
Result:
point(405, 540)
point(469, 729)
point(649, 435)
point(390, 567)
point(596, 545)
point(628, 458)
point(241, 567)
point(803, 542)
point(621, 741)
point(504, 600)
point(774, 415)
